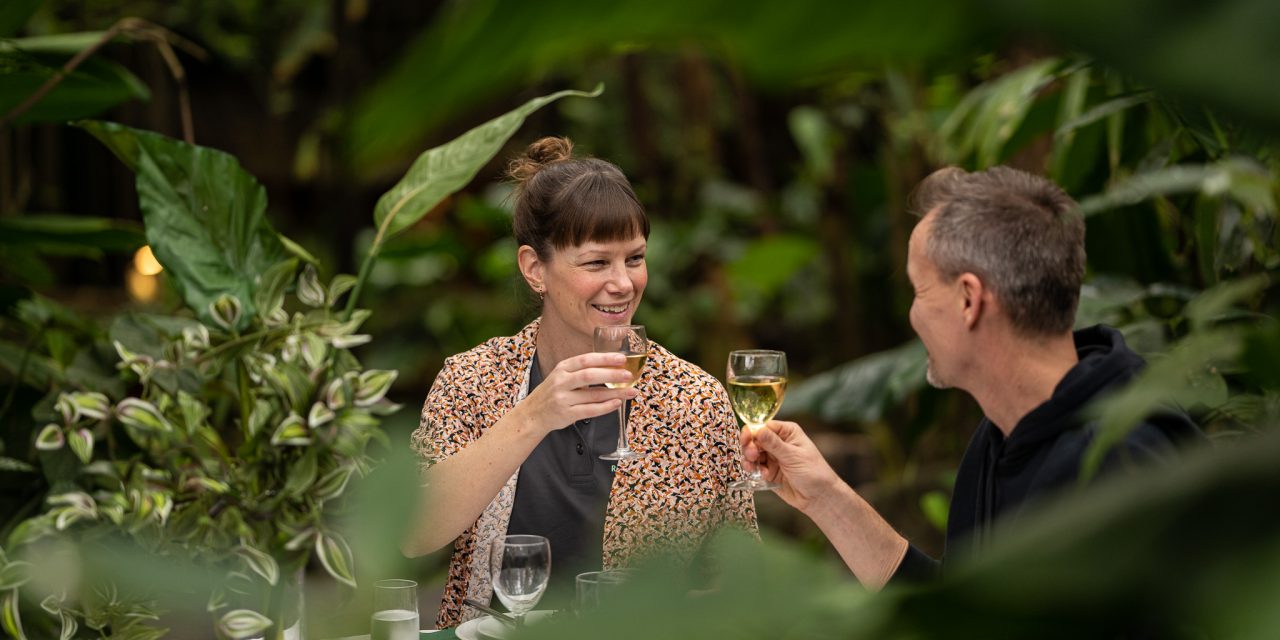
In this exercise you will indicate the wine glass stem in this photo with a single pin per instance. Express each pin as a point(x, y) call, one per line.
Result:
point(622, 426)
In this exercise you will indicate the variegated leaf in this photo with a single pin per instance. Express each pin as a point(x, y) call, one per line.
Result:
point(195, 337)
point(310, 292)
point(332, 484)
point(292, 432)
point(338, 394)
point(272, 283)
point(51, 438)
point(217, 600)
point(51, 604)
point(83, 404)
point(226, 311)
point(347, 342)
point(336, 557)
point(291, 348)
point(319, 414)
point(336, 329)
point(239, 624)
point(142, 415)
point(372, 386)
point(10, 617)
point(300, 540)
point(194, 411)
point(301, 475)
point(200, 483)
point(339, 286)
point(81, 441)
point(15, 574)
point(260, 562)
point(314, 351)
point(258, 419)
point(69, 625)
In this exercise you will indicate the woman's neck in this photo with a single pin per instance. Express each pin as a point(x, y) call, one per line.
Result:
point(555, 344)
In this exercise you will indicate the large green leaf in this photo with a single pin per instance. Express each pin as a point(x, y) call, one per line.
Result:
point(92, 88)
point(205, 215)
point(776, 44)
point(439, 172)
point(861, 390)
point(1240, 178)
point(1219, 53)
point(770, 262)
point(57, 234)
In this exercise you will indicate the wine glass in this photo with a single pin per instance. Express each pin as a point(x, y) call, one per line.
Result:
point(520, 566)
point(630, 340)
point(757, 382)
point(395, 610)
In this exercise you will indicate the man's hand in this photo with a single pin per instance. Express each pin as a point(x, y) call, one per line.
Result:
point(793, 461)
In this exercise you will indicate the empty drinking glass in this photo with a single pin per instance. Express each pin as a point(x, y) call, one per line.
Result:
point(520, 566)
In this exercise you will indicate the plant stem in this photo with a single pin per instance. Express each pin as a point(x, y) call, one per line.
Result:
point(163, 38)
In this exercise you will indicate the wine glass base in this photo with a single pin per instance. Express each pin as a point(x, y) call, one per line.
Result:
point(751, 484)
point(622, 454)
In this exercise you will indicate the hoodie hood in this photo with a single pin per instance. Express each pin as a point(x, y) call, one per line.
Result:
point(1045, 448)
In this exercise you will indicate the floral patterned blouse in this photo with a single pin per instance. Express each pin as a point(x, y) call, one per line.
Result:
point(670, 501)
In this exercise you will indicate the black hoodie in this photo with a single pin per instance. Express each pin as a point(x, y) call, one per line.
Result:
point(999, 477)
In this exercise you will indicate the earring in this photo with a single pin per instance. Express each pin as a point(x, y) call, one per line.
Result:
point(542, 293)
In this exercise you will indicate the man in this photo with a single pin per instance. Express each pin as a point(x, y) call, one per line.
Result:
point(996, 263)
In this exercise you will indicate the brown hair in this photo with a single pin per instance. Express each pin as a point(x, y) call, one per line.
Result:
point(562, 201)
point(1020, 233)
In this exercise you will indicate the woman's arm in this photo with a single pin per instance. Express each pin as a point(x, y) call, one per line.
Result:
point(462, 482)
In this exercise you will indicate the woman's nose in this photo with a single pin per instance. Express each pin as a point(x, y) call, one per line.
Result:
point(619, 280)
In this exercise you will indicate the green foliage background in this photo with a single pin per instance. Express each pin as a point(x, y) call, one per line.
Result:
point(774, 146)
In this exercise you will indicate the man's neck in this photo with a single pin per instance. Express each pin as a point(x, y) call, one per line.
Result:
point(1021, 376)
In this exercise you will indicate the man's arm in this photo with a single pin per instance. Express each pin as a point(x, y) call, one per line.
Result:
point(867, 544)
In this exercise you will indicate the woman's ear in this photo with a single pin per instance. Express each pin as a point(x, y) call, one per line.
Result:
point(532, 268)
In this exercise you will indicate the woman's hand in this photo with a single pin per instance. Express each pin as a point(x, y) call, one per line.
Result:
point(575, 391)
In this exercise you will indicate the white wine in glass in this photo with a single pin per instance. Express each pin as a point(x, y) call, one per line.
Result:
point(757, 382)
point(631, 341)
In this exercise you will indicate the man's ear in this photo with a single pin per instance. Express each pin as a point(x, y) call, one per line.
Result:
point(975, 297)
point(531, 267)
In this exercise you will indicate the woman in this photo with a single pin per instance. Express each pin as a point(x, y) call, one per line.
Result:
point(512, 430)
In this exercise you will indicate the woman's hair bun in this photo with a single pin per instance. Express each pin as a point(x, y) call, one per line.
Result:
point(541, 153)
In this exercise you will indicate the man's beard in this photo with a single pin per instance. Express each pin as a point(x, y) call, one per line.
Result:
point(931, 376)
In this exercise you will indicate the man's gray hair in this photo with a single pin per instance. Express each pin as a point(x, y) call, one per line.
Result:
point(1021, 234)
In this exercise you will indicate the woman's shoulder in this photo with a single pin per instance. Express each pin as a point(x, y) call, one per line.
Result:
point(500, 352)
point(671, 369)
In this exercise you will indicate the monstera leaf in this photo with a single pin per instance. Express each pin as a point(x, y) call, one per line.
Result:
point(204, 215)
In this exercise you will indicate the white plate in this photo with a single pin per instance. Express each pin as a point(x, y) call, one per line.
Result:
point(487, 628)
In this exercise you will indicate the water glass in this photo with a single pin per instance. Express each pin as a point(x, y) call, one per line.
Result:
point(395, 610)
point(520, 566)
point(592, 587)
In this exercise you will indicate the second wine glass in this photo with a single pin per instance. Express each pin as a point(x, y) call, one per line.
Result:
point(757, 381)
point(520, 566)
point(631, 341)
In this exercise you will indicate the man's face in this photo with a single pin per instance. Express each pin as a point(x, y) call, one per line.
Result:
point(937, 311)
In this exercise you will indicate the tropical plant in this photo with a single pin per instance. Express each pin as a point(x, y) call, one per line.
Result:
point(236, 429)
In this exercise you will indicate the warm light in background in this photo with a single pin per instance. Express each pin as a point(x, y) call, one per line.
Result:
point(141, 277)
point(145, 263)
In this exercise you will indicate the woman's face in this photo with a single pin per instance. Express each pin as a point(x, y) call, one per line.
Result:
point(593, 284)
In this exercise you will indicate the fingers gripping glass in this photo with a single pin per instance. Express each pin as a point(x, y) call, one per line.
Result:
point(630, 340)
point(757, 381)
